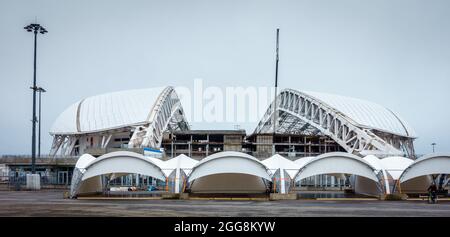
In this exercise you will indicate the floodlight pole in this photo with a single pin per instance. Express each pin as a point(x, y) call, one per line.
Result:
point(276, 91)
point(35, 28)
point(33, 139)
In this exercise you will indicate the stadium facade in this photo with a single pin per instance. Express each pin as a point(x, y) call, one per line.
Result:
point(307, 124)
point(320, 140)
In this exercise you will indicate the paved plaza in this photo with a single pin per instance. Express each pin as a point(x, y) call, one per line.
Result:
point(51, 203)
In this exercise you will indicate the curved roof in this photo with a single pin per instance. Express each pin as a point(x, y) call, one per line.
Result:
point(84, 161)
point(116, 163)
point(123, 162)
point(304, 160)
point(395, 165)
point(229, 162)
point(365, 113)
point(224, 154)
point(277, 161)
point(181, 161)
point(337, 163)
point(434, 163)
point(157, 161)
point(374, 162)
point(107, 111)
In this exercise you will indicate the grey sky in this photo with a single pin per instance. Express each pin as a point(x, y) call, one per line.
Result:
point(395, 53)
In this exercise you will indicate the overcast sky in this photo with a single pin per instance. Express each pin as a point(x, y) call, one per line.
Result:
point(395, 53)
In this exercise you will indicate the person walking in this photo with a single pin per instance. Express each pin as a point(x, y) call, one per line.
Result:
point(432, 189)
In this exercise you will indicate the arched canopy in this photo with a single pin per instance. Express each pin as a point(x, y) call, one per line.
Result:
point(337, 163)
point(181, 162)
point(159, 163)
point(86, 176)
point(395, 165)
point(431, 164)
point(276, 162)
point(304, 160)
point(391, 168)
point(229, 162)
point(374, 162)
point(123, 162)
point(84, 161)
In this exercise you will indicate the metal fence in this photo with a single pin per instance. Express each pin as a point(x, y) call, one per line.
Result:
point(19, 182)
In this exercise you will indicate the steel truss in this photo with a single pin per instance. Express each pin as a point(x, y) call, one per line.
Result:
point(167, 114)
point(299, 113)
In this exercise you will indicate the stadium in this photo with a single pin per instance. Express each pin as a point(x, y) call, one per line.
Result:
point(139, 118)
point(141, 137)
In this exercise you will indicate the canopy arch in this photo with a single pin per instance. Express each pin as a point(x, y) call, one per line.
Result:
point(229, 172)
point(417, 176)
point(343, 163)
point(87, 179)
point(436, 163)
point(123, 162)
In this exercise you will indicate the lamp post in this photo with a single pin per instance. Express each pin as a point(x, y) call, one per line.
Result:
point(433, 144)
point(40, 90)
point(275, 99)
point(35, 28)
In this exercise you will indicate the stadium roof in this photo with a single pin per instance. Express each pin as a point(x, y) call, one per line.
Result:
point(359, 126)
point(132, 107)
point(366, 113)
point(107, 111)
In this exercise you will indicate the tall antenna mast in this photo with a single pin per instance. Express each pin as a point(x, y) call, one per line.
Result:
point(276, 89)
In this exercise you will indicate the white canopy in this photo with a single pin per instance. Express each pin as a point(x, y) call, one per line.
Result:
point(157, 161)
point(229, 171)
point(337, 163)
point(86, 177)
point(229, 162)
point(123, 162)
point(374, 162)
point(279, 162)
point(183, 162)
point(386, 167)
point(84, 161)
point(434, 163)
point(304, 160)
point(395, 165)
point(366, 180)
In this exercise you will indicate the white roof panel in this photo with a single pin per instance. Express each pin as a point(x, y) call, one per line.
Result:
point(395, 165)
point(279, 162)
point(107, 111)
point(66, 121)
point(366, 113)
point(304, 160)
point(229, 162)
point(181, 161)
point(84, 161)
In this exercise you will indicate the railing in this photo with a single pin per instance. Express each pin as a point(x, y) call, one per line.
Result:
point(48, 181)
